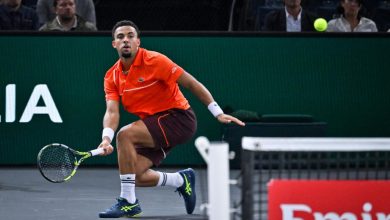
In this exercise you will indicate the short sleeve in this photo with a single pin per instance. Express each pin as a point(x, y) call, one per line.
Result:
point(167, 70)
point(110, 88)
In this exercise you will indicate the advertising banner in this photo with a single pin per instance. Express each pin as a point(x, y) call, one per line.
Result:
point(328, 200)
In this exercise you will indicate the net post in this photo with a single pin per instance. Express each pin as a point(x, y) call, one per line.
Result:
point(216, 155)
point(247, 163)
point(218, 181)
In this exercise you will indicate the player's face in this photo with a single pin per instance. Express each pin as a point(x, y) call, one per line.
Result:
point(126, 41)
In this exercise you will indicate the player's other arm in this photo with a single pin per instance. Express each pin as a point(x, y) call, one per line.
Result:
point(110, 124)
point(202, 93)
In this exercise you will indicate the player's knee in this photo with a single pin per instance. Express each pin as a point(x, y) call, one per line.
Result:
point(126, 134)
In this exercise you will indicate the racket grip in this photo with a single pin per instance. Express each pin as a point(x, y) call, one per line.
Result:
point(97, 151)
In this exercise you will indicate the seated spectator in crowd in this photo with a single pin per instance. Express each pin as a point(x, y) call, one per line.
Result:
point(15, 16)
point(67, 19)
point(85, 9)
point(291, 18)
point(350, 19)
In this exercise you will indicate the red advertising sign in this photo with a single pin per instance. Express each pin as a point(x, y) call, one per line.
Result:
point(328, 200)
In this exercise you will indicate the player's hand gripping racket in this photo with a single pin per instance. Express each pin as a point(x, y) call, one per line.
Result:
point(58, 163)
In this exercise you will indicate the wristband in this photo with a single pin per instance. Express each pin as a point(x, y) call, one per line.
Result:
point(215, 109)
point(108, 132)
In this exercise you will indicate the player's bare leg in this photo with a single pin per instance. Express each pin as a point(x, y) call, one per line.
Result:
point(135, 170)
point(183, 181)
point(127, 138)
point(146, 177)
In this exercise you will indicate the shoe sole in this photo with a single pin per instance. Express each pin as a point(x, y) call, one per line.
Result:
point(125, 216)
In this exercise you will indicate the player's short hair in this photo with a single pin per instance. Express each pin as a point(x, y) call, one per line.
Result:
point(125, 23)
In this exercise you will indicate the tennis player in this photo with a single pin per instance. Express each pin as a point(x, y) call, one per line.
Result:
point(147, 85)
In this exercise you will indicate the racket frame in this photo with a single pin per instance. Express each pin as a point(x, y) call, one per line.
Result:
point(84, 155)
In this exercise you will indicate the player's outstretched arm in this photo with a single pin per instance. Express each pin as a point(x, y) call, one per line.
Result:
point(110, 124)
point(202, 93)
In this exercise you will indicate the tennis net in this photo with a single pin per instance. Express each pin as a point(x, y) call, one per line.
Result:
point(264, 159)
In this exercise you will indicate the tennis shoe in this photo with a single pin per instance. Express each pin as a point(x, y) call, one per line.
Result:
point(187, 190)
point(122, 209)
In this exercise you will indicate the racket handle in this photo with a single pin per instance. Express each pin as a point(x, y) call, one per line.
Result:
point(97, 151)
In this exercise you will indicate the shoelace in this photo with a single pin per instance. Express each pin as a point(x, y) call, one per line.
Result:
point(187, 189)
point(188, 186)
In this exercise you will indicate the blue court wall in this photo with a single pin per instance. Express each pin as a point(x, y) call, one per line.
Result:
point(342, 80)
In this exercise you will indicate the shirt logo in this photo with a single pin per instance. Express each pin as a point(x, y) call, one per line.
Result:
point(174, 69)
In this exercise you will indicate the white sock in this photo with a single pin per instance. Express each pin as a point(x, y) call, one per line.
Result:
point(170, 179)
point(128, 187)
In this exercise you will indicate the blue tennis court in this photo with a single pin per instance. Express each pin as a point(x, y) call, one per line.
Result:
point(25, 194)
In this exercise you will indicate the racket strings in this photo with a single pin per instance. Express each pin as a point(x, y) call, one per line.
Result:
point(57, 163)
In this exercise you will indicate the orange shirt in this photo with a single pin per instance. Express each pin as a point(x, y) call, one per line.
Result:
point(149, 86)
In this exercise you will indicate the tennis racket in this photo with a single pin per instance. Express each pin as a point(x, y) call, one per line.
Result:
point(58, 162)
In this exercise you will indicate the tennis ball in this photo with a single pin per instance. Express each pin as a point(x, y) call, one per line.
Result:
point(320, 24)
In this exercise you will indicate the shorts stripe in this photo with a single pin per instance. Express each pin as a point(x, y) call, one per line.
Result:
point(162, 129)
point(168, 129)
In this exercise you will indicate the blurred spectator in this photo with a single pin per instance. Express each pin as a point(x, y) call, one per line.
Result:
point(274, 3)
point(350, 19)
point(291, 18)
point(84, 8)
point(15, 16)
point(67, 19)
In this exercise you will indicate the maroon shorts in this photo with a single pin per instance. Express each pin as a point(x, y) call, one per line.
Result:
point(168, 129)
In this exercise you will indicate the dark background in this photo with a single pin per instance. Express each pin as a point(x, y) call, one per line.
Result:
point(215, 15)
